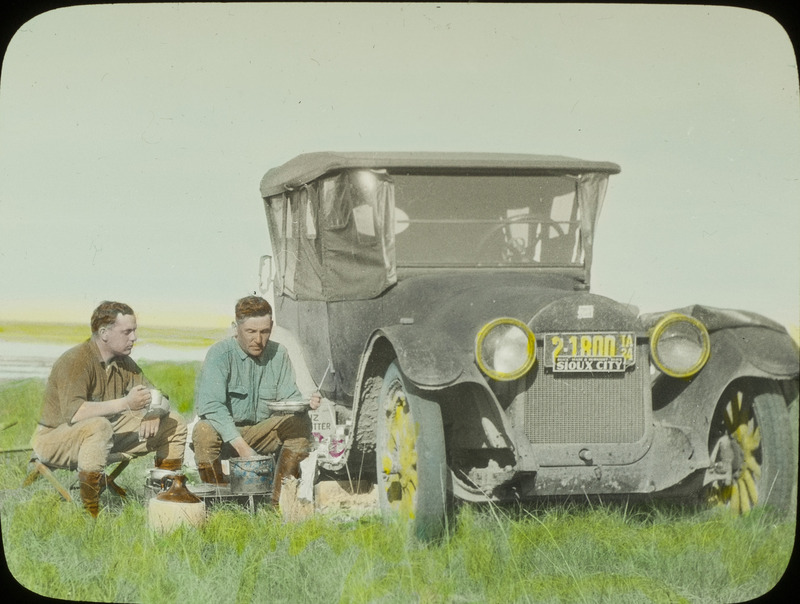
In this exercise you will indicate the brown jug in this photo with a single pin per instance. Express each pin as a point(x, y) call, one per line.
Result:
point(175, 506)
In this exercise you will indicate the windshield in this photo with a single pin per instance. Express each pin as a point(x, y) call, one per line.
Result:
point(344, 236)
point(487, 221)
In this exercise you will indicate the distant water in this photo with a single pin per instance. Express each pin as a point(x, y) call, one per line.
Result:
point(19, 360)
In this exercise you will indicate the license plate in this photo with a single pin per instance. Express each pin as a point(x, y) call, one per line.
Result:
point(594, 352)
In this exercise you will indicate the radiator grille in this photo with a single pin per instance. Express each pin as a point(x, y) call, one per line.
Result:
point(586, 408)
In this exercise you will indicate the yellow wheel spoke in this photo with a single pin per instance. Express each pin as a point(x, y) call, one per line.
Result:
point(725, 494)
point(734, 498)
point(752, 465)
point(729, 418)
point(750, 487)
point(745, 436)
point(740, 434)
point(735, 410)
point(744, 497)
point(754, 439)
point(399, 461)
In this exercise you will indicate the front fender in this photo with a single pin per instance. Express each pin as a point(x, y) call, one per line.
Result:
point(768, 353)
point(446, 373)
point(429, 361)
point(736, 352)
point(742, 344)
point(716, 319)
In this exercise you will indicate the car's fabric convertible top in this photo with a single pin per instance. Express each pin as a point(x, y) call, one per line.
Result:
point(306, 167)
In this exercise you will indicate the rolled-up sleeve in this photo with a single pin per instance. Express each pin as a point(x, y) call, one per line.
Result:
point(211, 395)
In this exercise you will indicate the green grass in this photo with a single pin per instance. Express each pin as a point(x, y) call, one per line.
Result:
point(570, 553)
point(177, 380)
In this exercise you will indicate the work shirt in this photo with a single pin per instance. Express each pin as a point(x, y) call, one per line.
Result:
point(81, 375)
point(234, 387)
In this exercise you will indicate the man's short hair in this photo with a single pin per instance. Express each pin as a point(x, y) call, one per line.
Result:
point(106, 314)
point(252, 306)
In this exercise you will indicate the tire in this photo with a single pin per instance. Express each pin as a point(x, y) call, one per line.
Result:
point(752, 417)
point(410, 457)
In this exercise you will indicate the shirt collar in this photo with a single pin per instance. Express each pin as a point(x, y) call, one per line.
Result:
point(243, 355)
point(109, 366)
point(239, 350)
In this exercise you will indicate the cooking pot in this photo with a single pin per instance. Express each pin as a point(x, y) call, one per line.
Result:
point(156, 476)
point(251, 475)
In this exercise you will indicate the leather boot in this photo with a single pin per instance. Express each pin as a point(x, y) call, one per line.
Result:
point(288, 466)
point(90, 486)
point(174, 465)
point(212, 472)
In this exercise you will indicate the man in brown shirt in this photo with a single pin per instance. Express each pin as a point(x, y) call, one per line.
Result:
point(95, 405)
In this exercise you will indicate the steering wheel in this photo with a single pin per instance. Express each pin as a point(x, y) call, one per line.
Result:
point(513, 249)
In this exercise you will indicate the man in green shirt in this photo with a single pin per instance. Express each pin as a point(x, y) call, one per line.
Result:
point(239, 378)
point(95, 406)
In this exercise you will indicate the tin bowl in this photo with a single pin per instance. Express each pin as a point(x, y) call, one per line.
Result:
point(288, 406)
point(203, 490)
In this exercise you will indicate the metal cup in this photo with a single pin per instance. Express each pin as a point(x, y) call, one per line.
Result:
point(156, 399)
point(157, 403)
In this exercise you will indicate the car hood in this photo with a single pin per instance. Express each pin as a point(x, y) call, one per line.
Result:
point(440, 316)
point(463, 303)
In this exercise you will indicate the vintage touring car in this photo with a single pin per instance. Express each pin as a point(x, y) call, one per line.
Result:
point(441, 302)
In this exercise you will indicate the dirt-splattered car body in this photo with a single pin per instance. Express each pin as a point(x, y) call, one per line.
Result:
point(445, 298)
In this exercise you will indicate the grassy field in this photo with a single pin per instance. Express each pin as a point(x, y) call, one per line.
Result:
point(570, 553)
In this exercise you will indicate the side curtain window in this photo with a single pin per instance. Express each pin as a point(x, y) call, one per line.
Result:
point(335, 206)
point(591, 192)
point(356, 223)
point(351, 206)
point(275, 207)
point(308, 277)
point(282, 218)
point(291, 241)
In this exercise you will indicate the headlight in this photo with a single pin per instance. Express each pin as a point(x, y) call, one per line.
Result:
point(505, 349)
point(679, 345)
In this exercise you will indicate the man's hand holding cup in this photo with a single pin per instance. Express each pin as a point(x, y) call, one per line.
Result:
point(138, 398)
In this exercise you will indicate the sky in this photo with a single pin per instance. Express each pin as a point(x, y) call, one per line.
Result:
point(133, 139)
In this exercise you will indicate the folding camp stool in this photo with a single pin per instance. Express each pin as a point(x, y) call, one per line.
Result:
point(39, 468)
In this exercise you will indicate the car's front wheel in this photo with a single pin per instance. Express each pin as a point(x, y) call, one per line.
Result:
point(751, 445)
point(411, 466)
